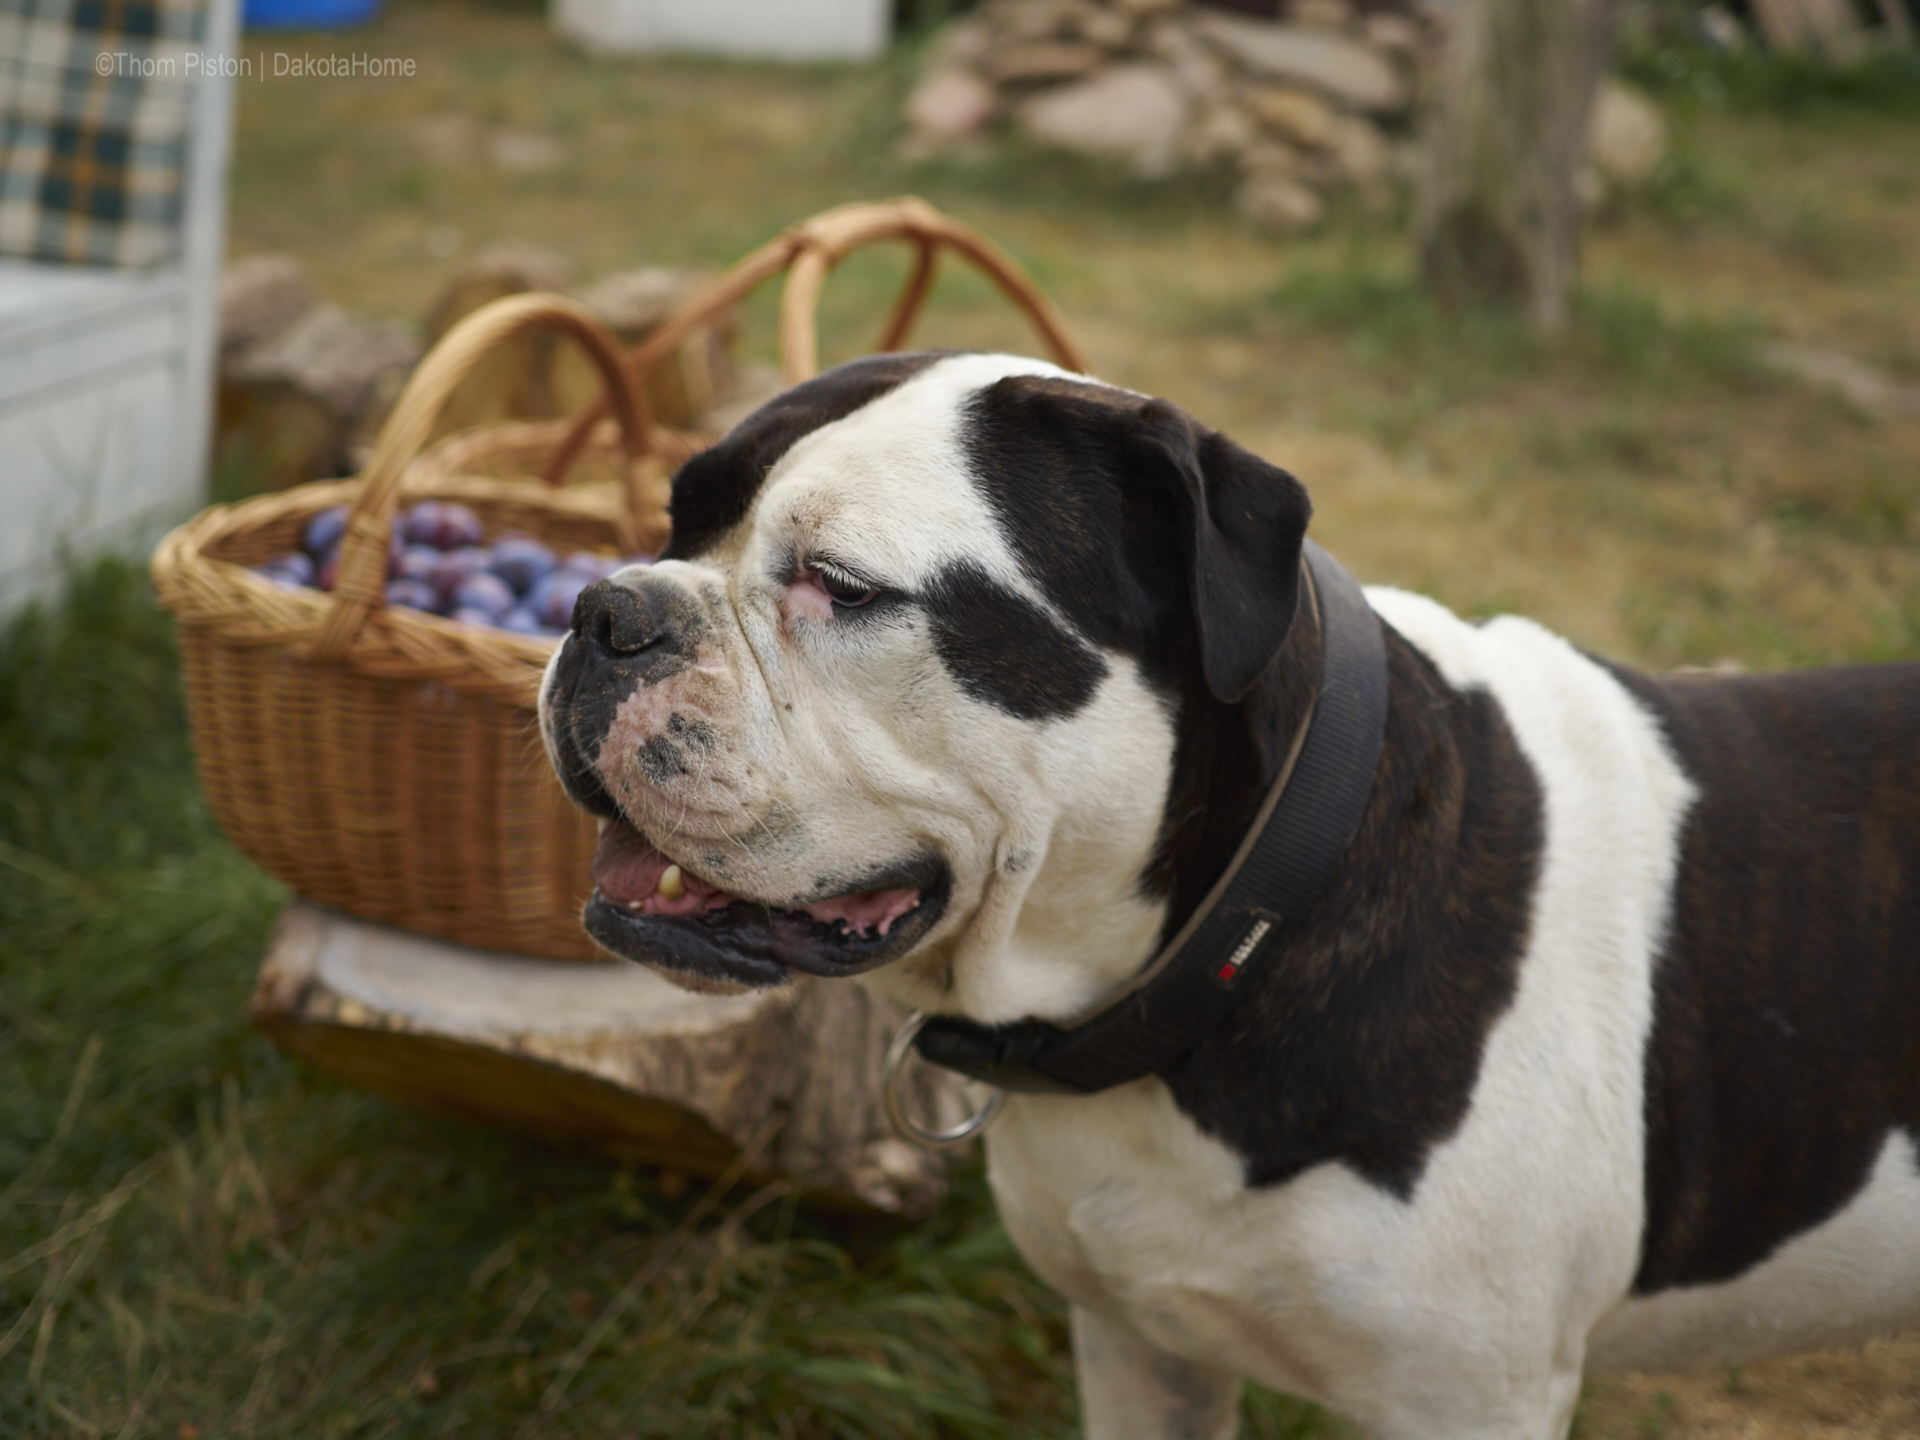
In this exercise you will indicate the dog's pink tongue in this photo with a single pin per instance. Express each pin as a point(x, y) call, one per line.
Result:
point(628, 869)
point(873, 910)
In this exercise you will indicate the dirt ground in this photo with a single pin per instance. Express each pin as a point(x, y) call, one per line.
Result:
point(1647, 485)
point(1868, 1394)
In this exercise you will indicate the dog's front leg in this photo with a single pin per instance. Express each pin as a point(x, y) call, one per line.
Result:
point(1131, 1391)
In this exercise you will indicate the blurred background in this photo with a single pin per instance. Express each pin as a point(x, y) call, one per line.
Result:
point(1701, 448)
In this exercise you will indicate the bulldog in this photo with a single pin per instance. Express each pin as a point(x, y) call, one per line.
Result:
point(1596, 1041)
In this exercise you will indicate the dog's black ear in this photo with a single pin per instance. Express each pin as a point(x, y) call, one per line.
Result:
point(1245, 523)
point(1126, 511)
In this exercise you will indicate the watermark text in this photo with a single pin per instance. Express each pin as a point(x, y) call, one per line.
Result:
point(262, 64)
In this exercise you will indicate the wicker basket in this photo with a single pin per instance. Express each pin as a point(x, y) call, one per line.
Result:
point(387, 762)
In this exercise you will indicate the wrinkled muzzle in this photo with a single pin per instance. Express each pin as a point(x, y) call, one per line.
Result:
point(642, 718)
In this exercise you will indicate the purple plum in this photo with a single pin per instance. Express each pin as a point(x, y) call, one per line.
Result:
point(468, 615)
point(520, 560)
point(416, 594)
point(457, 567)
point(551, 599)
point(443, 524)
point(520, 620)
point(295, 566)
point(329, 570)
point(323, 531)
point(420, 524)
point(418, 562)
point(484, 592)
point(589, 566)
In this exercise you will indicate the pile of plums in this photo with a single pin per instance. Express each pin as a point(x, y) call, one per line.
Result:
point(440, 561)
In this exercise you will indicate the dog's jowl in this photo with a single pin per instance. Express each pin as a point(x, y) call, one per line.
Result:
point(1594, 1040)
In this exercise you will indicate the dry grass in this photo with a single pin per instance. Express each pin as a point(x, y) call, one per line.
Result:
point(196, 1239)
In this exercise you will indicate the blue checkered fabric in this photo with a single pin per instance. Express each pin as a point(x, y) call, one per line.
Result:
point(96, 100)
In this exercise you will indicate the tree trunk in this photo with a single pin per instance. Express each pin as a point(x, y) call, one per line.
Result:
point(1499, 215)
point(613, 1055)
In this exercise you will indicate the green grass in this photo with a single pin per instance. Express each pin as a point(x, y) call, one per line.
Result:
point(1763, 81)
point(1619, 336)
point(197, 1237)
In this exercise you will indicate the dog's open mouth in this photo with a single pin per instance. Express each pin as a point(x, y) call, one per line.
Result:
point(646, 907)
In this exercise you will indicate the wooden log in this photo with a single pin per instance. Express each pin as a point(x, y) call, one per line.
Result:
point(297, 404)
point(533, 377)
point(612, 1055)
point(688, 384)
point(510, 381)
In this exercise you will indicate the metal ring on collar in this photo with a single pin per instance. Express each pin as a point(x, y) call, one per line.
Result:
point(905, 1124)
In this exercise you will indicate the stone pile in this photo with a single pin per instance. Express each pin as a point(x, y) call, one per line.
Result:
point(1318, 99)
point(1321, 98)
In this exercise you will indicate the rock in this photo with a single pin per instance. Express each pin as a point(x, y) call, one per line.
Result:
point(1298, 115)
point(1221, 128)
point(1343, 69)
point(962, 43)
point(1359, 149)
point(1043, 60)
point(1137, 111)
point(1395, 34)
point(1016, 20)
point(1109, 29)
point(1626, 136)
point(1275, 157)
point(1199, 69)
point(259, 298)
point(950, 104)
point(1279, 203)
point(1321, 14)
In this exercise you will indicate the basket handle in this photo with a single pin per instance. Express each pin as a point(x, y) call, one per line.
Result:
point(808, 252)
point(361, 585)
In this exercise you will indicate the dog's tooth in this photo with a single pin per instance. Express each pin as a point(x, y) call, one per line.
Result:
point(672, 885)
point(633, 904)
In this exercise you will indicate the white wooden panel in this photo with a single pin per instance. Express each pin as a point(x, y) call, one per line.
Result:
point(94, 327)
point(91, 467)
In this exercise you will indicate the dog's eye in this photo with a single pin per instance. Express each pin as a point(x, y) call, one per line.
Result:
point(846, 592)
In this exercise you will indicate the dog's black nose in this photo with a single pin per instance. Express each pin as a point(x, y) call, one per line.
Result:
point(627, 620)
point(631, 630)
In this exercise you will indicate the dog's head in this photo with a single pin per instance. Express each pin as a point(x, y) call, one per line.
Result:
point(906, 685)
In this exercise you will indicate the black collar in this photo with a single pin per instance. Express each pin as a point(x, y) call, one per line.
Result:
point(1302, 829)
